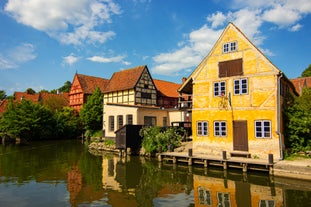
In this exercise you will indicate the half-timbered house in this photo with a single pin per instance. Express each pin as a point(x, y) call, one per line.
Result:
point(132, 97)
point(83, 86)
point(237, 96)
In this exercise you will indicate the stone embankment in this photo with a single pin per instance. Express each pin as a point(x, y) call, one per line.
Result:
point(298, 168)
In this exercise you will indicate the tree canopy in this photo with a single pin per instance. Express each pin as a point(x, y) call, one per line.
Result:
point(298, 129)
point(32, 121)
point(2, 94)
point(91, 113)
point(306, 72)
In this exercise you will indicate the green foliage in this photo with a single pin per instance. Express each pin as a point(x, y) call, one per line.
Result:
point(306, 72)
point(109, 142)
point(55, 103)
point(30, 91)
point(2, 94)
point(156, 138)
point(63, 89)
point(91, 113)
point(27, 120)
point(31, 121)
point(67, 123)
point(298, 128)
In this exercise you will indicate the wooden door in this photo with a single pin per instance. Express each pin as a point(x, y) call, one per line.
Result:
point(240, 138)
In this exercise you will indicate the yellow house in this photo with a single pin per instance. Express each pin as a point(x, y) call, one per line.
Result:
point(237, 97)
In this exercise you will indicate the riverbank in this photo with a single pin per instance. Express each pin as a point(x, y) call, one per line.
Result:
point(299, 168)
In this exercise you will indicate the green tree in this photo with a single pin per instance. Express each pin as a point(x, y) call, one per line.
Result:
point(2, 94)
point(91, 113)
point(298, 128)
point(66, 87)
point(156, 138)
point(27, 120)
point(67, 123)
point(55, 103)
point(306, 72)
point(30, 91)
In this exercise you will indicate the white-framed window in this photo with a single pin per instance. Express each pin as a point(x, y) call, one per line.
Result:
point(229, 47)
point(202, 128)
point(205, 196)
point(129, 119)
point(220, 88)
point(266, 203)
point(223, 199)
point(120, 121)
point(220, 128)
point(111, 123)
point(263, 129)
point(241, 86)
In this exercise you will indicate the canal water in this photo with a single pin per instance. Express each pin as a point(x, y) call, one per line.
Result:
point(64, 173)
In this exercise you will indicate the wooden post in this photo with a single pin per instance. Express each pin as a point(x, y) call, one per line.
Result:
point(190, 152)
point(270, 158)
point(244, 167)
point(205, 163)
point(225, 165)
point(224, 155)
point(159, 158)
point(174, 160)
point(190, 161)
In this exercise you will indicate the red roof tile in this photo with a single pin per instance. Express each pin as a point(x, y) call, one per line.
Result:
point(168, 89)
point(90, 83)
point(125, 79)
point(3, 105)
point(301, 83)
point(18, 96)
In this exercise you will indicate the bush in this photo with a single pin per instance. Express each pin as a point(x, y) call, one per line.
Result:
point(157, 139)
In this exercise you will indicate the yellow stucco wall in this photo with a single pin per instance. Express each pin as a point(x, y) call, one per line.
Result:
point(259, 104)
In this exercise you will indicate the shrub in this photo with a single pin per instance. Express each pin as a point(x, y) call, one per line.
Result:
point(157, 138)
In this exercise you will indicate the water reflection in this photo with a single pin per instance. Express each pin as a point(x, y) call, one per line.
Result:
point(66, 174)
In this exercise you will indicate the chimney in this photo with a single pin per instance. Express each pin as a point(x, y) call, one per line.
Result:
point(184, 79)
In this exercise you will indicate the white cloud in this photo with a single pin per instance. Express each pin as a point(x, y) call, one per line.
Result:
point(70, 22)
point(115, 59)
point(295, 28)
point(249, 16)
point(70, 59)
point(217, 19)
point(17, 56)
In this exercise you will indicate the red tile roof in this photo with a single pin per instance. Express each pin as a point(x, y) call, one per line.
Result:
point(3, 105)
point(301, 83)
point(168, 89)
point(125, 79)
point(90, 83)
point(18, 96)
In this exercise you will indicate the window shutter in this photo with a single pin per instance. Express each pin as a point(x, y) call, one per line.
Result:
point(235, 67)
point(222, 69)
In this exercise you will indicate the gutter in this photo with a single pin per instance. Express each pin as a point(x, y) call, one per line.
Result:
point(279, 115)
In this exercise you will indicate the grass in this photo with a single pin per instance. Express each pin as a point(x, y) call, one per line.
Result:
point(293, 157)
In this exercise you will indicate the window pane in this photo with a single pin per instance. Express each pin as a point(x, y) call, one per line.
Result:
point(236, 87)
point(244, 86)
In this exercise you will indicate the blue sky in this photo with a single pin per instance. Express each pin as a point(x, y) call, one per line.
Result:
point(44, 43)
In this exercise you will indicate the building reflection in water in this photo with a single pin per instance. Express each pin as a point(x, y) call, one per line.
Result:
point(136, 182)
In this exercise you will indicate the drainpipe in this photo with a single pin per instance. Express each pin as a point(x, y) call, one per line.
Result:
point(279, 115)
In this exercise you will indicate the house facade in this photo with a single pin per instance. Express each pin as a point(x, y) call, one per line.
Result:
point(237, 96)
point(132, 97)
point(83, 86)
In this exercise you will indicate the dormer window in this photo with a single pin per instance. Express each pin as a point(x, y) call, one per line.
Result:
point(229, 47)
